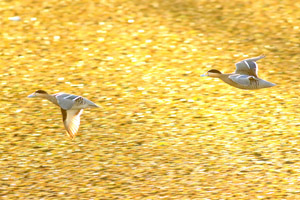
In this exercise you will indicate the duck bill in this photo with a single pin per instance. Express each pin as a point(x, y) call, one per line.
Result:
point(31, 96)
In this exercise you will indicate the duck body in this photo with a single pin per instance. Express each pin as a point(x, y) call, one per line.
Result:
point(72, 102)
point(245, 76)
point(71, 108)
point(245, 82)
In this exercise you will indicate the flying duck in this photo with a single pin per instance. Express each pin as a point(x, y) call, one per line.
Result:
point(245, 76)
point(71, 108)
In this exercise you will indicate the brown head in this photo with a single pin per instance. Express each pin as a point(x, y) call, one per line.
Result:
point(214, 73)
point(38, 93)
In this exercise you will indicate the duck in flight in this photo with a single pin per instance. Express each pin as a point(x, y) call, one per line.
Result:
point(71, 108)
point(245, 76)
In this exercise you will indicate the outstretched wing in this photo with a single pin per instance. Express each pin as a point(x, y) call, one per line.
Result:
point(248, 66)
point(71, 119)
point(243, 79)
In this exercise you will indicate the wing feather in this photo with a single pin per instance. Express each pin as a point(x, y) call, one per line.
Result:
point(71, 119)
point(248, 66)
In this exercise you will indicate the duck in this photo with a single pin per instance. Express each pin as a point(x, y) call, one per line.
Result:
point(71, 107)
point(245, 76)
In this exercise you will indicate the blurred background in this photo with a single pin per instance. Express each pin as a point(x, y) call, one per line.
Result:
point(162, 132)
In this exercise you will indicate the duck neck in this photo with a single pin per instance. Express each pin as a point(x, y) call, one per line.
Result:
point(51, 98)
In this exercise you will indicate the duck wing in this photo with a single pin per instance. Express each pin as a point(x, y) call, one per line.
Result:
point(245, 80)
point(71, 119)
point(248, 66)
point(66, 101)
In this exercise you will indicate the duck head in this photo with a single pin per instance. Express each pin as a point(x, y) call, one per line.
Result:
point(213, 73)
point(38, 93)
